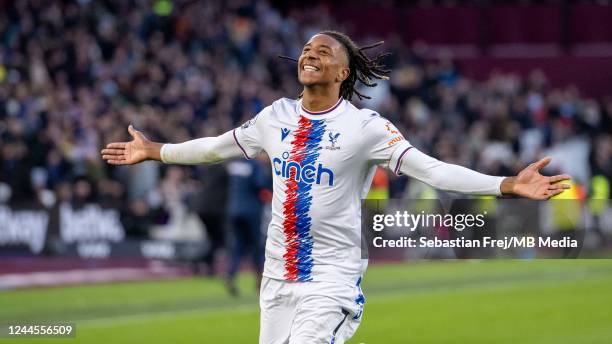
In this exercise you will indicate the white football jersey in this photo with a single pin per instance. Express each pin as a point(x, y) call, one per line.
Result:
point(322, 166)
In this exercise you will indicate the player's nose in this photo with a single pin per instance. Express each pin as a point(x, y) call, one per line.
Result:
point(310, 55)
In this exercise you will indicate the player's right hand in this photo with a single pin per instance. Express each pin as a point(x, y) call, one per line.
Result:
point(128, 153)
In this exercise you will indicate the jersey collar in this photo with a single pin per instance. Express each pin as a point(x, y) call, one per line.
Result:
point(336, 109)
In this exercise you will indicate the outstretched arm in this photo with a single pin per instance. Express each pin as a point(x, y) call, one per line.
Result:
point(528, 183)
point(203, 150)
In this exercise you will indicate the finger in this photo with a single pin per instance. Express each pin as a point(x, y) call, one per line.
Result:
point(113, 157)
point(108, 151)
point(117, 162)
point(541, 164)
point(558, 178)
point(559, 187)
point(118, 145)
point(132, 131)
point(554, 193)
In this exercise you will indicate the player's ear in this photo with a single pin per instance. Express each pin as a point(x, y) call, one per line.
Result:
point(343, 74)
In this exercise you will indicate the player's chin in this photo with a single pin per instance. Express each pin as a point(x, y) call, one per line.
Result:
point(307, 79)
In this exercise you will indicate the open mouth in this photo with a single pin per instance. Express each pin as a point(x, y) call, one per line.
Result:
point(310, 68)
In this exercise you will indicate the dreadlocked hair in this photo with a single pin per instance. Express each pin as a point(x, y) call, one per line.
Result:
point(362, 67)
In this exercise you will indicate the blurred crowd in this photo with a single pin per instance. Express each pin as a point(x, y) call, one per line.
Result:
point(74, 74)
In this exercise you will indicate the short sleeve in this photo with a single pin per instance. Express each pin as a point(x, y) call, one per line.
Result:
point(249, 136)
point(386, 146)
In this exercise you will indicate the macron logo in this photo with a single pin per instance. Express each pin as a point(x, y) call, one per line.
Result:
point(284, 133)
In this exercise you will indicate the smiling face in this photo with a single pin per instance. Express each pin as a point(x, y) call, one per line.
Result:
point(324, 61)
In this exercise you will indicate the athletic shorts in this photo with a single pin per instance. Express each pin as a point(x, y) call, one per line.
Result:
point(309, 312)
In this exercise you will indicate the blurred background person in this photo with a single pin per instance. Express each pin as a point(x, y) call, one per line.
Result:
point(249, 185)
point(210, 203)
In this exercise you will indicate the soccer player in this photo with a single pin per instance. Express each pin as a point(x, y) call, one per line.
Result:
point(324, 152)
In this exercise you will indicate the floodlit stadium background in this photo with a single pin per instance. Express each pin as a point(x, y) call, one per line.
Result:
point(122, 251)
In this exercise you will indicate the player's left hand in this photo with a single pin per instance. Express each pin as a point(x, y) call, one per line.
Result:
point(531, 184)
